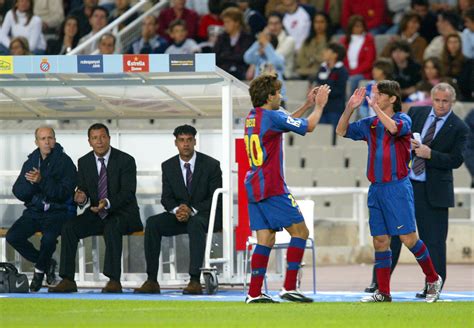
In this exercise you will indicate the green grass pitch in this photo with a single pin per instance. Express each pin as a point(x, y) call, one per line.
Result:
point(98, 313)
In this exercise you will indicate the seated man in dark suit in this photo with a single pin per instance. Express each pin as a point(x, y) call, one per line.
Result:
point(189, 181)
point(108, 179)
point(150, 42)
point(46, 185)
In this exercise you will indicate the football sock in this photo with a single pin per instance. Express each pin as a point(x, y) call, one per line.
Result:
point(294, 256)
point(423, 257)
point(259, 268)
point(383, 261)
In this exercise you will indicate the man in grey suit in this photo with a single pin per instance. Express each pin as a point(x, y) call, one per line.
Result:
point(189, 181)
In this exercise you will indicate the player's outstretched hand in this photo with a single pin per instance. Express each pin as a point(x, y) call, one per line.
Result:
point(310, 97)
point(372, 103)
point(357, 98)
point(322, 95)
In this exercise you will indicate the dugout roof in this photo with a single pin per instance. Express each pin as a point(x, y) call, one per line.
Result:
point(116, 86)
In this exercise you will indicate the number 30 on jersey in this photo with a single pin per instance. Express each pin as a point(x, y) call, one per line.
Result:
point(254, 150)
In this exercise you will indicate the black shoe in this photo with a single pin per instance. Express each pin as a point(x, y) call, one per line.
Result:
point(37, 282)
point(372, 288)
point(422, 293)
point(50, 273)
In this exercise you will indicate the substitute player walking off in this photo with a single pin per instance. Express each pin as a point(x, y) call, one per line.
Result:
point(390, 199)
point(271, 206)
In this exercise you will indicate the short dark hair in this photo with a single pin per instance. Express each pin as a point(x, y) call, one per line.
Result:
point(177, 22)
point(184, 129)
point(386, 66)
point(263, 86)
point(338, 49)
point(275, 14)
point(400, 45)
point(100, 8)
point(98, 126)
point(469, 14)
point(424, 3)
point(451, 17)
point(391, 88)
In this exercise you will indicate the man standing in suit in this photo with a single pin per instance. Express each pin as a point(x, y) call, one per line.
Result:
point(189, 181)
point(443, 136)
point(46, 186)
point(108, 180)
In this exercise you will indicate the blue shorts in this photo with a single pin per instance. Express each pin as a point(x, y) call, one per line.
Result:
point(274, 213)
point(391, 208)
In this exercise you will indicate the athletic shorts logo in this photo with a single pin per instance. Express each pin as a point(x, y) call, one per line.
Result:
point(399, 227)
point(290, 120)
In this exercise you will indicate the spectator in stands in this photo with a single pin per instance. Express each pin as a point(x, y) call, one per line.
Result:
point(232, 44)
point(409, 31)
point(19, 46)
point(107, 4)
point(443, 136)
point(274, 6)
point(68, 38)
point(107, 180)
point(98, 21)
point(382, 70)
point(178, 11)
point(266, 60)
point(428, 19)
point(107, 44)
point(361, 53)
point(189, 181)
point(406, 71)
point(150, 42)
point(446, 24)
point(121, 7)
point(333, 73)
point(390, 199)
point(297, 22)
point(46, 186)
point(468, 34)
point(332, 8)
point(286, 44)
point(469, 152)
point(458, 67)
point(83, 15)
point(51, 13)
point(199, 6)
point(210, 19)
point(310, 55)
point(373, 14)
point(213, 34)
point(20, 21)
point(396, 10)
point(431, 75)
point(252, 18)
point(181, 43)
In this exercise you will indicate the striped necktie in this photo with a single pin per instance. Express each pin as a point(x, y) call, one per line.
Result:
point(102, 188)
point(189, 177)
point(419, 163)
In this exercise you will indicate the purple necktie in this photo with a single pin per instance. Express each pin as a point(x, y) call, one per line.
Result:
point(419, 163)
point(189, 177)
point(102, 186)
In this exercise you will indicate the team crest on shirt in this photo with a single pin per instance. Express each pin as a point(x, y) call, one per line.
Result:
point(292, 121)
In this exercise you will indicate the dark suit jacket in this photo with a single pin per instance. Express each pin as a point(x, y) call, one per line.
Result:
point(207, 177)
point(121, 183)
point(446, 154)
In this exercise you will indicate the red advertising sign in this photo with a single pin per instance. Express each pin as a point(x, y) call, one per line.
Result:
point(136, 63)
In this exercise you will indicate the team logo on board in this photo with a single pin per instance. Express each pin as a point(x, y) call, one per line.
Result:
point(6, 65)
point(45, 66)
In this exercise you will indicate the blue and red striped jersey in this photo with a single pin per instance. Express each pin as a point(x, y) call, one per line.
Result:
point(263, 140)
point(389, 155)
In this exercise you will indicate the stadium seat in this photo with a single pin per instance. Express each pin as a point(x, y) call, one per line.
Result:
point(282, 240)
point(381, 41)
point(321, 136)
point(462, 177)
point(293, 157)
point(335, 177)
point(356, 157)
point(299, 177)
point(323, 157)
